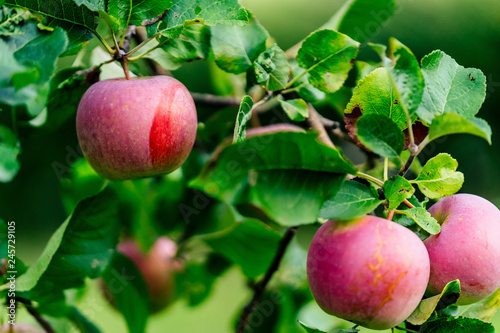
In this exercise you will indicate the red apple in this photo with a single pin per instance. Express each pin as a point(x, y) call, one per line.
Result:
point(370, 271)
point(136, 128)
point(467, 248)
point(157, 267)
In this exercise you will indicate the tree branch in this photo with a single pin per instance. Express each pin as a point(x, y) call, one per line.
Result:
point(316, 123)
point(38, 317)
point(147, 23)
point(334, 128)
point(215, 100)
point(261, 286)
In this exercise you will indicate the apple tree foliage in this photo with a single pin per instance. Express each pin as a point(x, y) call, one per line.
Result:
point(237, 197)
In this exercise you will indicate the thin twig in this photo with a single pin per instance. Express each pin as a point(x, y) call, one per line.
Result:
point(140, 36)
point(315, 122)
point(370, 178)
point(407, 165)
point(44, 323)
point(38, 317)
point(386, 169)
point(261, 286)
point(334, 128)
point(141, 44)
point(147, 23)
point(128, 35)
point(408, 204)
point(103, 42)
point(209, 99)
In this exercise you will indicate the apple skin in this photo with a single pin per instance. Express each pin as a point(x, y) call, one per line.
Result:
point(467, 248)
point(157, 267)
point(370, 271)
point(136, 128)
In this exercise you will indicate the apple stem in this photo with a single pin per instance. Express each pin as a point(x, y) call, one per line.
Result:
point(408, 204)
point(369, 178)
point(124, 63)
point(260, 287)
point(391, 215)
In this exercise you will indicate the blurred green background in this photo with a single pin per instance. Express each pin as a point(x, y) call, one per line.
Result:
point(469, 31)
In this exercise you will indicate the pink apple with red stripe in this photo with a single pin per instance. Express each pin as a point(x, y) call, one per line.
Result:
point(136, 128)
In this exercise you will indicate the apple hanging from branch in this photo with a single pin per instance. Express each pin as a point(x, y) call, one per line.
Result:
point(467, 248)
point(136, 128)
point(370, 271)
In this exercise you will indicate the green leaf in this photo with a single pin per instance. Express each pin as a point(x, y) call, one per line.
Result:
point(196, 281)
point(439, 177)
point(10, 67)
point(236, 48)
point(338, 330)
point(296, 109)
point(18, 27)
point(93, 5)
point(327, 56)
point(450, 88)
point(272, 67)
point(192, 44)
point(9, 150)
point(426, 308)
point(249, 244)
point(81, 247)
point(396, 190)
point(183, 13)
point(407, 75)
point(291, 197)
point(26, 82)
point(284, 176)
point(381, 135)
point(361, 19)
point(423, 218)
point(81, 322)
point(449, 123)
point(42, 53)
point(243, 116)
point(66, 89)
point(485, 309)
point(353, 200)
point(78, 21)
point(375, 94)
point(268, 152)
point(457, 325)
point(62, 13)
point(305, 89)
point(135, 11)
point(127, 289)
point(381, 51)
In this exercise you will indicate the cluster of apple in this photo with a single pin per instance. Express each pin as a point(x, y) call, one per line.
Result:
point(370, 271)
point(374, 272)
